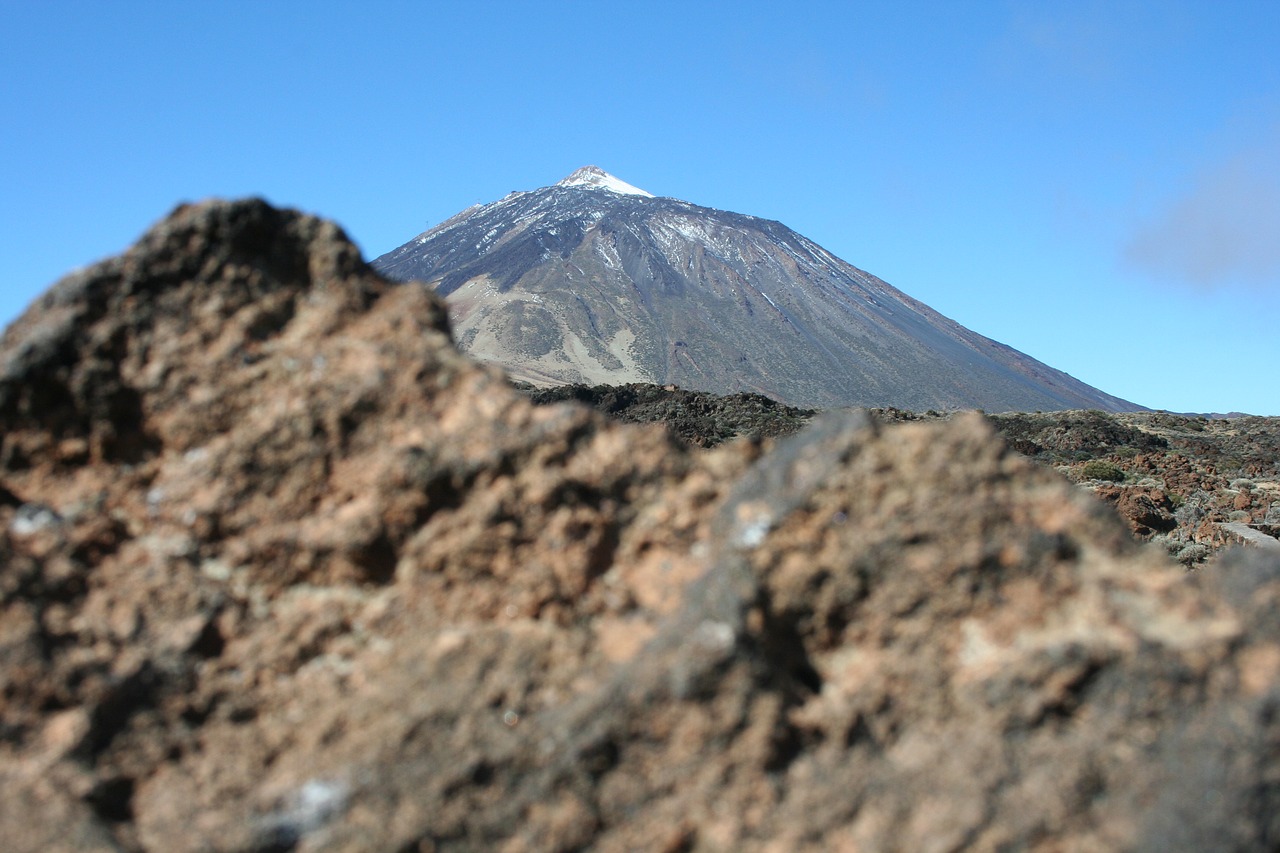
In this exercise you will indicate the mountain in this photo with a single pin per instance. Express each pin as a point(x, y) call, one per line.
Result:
point(594, 280)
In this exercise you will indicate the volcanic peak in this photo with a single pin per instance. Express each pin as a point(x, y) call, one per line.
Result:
point(596, 178)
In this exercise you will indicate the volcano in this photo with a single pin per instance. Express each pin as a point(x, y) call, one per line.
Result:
point(593, 280)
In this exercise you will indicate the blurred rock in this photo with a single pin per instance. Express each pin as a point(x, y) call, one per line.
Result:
point(317, 582)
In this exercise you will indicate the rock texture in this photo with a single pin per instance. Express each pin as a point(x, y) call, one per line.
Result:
point(280, 570)
point(594, 281)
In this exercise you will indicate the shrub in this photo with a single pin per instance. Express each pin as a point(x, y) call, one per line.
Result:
point(1192, 554)
point(1100, 470)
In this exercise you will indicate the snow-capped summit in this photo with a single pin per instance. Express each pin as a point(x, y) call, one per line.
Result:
point(594, 176)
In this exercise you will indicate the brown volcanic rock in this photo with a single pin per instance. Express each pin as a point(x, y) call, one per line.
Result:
point(1147, 510)
point(281, 570)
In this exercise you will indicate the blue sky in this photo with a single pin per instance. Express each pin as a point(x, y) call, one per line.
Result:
point(1096, 184)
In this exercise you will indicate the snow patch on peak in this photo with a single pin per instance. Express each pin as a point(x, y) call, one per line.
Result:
point(597, 178)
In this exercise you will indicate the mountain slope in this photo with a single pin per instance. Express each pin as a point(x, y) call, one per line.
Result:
point(593, 280)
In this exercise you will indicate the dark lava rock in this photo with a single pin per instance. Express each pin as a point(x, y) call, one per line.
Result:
point(308, 579)
point(1073, 435)
point(694, 417)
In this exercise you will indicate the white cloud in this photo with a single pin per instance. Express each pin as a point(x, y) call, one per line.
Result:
point(1224, 231)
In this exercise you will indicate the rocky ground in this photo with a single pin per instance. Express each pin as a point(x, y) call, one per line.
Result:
point(281, 570)
point(1175, 479)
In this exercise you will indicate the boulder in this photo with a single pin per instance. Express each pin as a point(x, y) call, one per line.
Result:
point(1146, 509)
point(284, 571)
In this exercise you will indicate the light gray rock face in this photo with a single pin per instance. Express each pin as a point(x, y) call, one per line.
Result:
point(594, 281)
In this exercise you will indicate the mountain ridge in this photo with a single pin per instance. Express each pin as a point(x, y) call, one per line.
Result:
point(578, 282)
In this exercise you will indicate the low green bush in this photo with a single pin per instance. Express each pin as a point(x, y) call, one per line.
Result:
point(1100, 470)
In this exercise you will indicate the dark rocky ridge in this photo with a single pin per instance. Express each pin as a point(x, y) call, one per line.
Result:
point(694, 417)
point(574, 283)
point(281, 570)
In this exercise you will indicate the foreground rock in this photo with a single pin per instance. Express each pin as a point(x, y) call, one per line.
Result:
point(281, 570)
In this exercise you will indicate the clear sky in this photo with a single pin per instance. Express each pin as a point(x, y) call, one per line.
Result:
point(1096, 184)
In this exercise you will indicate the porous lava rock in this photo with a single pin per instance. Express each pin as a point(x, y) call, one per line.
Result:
point(281, 570)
